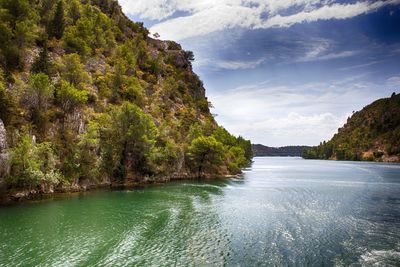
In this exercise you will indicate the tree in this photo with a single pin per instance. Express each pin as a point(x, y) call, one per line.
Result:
point(17, 31)
point(223, 136)
point(69, 97)
point(39, 91)
point(206, 154)
point(57, 24)
point(42, 62)
point(9, 59)
point(32, 165)
point(73, 71)
point(87, 153)
point(38, 95)
point(236, 159)
point(195, 131)
point(75, 11)
point(246, 146)
point(189, 55)
point(127, 138)
point(8, 106)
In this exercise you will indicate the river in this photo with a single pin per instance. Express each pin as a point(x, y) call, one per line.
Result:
point(283, 212)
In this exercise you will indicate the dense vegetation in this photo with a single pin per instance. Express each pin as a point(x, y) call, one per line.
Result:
point(370, 134)
point(284, 151)
point(87, 97)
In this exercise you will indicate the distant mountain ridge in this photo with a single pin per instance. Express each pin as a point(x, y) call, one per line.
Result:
point(285, 151)
point(371, 134)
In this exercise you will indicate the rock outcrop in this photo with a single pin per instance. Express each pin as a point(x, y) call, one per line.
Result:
point(3, 152)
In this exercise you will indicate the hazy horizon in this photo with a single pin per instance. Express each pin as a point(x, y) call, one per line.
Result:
point(284, 72)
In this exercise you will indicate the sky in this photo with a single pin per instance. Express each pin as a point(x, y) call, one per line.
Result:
point(283, 72)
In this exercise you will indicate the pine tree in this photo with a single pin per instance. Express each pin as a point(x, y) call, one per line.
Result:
point(57, 24)
point(42, 62)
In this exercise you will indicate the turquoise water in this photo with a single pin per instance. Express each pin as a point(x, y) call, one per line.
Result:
point(283, 212)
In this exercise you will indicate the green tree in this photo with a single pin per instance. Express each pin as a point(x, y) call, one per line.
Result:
point(18, 30)
point(246, 146)
point(127, 141)
point(205, 154)
point(73, 71)
point(39, 91)
point(8, 106)
point(88, 153)
point(236, 159)
point(189, 55)
point(75, 10)
point(223, 136)
point(195, 131)
point(93, 32)
point(69, 99)
point(33, 165)
point(38, 96)
point(57, 24)
point(42, 62)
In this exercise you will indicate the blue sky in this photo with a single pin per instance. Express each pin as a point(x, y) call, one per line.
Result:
point(284, 72)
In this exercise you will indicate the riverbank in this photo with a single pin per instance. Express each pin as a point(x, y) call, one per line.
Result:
point(14, 196)
point(367, 158)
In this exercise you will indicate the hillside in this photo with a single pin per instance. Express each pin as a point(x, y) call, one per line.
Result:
point(285, 151)
point(370, 134)
point(87, 98)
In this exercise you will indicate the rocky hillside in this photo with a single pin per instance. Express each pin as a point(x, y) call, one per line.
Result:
point(370, 134)
point(285, 151)
point(86, 97)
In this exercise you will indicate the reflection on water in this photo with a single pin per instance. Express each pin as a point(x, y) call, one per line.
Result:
point(285, 211)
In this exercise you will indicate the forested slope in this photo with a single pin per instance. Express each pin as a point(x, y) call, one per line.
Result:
point(86, 97)
point(284, 151)
point(370, 134)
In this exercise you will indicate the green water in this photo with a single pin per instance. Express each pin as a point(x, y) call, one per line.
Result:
point(284, 212)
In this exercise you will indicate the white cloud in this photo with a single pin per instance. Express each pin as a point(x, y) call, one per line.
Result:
point(322, 50)
point(394, 82)
point(342, 54)
point(299, 129)
point(206, 16)
point(279, 115)
point(363, 65)
point(236, 65)
point(214, 19)
point(327, 12)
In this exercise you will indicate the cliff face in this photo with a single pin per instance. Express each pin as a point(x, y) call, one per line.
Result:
point(371, 134)
point(3, 152)
point(88, 98)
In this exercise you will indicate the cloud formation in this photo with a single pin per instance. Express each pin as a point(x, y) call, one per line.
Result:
point(182, 19)
point(273, 114)
point(237, 65)
point(393, 82)
point(321, 49)
point(327, 12)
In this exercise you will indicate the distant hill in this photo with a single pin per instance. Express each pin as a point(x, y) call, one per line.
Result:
point(370, 134)
point(285, 151)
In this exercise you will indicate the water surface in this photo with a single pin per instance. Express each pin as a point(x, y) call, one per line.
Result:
point(284, 212)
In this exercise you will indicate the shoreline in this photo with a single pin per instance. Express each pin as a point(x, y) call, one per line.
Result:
point(11, 198)
point(368, 161)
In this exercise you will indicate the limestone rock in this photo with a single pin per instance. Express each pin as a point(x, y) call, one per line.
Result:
point(3, 141)
point(3, 152)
